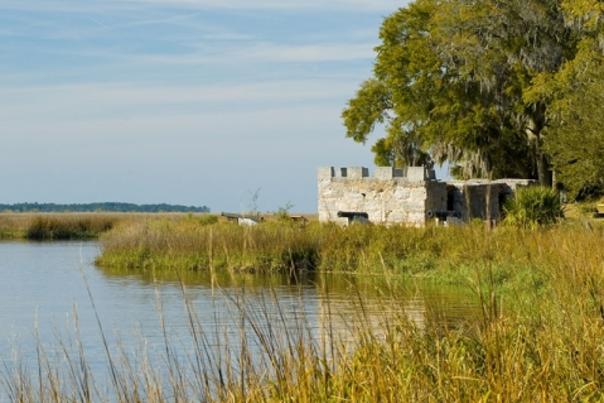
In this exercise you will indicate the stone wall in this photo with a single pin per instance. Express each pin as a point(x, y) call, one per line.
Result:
point(472, 199)
point(390, 196)
point(408, 196)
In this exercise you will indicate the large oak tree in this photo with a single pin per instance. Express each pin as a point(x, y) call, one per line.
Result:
point(575, 98)
point(456, 81)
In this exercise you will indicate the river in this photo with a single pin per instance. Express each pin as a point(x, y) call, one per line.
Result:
point(52, 293)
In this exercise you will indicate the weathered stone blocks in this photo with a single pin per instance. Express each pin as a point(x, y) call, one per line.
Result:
point(390, 196)
point(409, 196)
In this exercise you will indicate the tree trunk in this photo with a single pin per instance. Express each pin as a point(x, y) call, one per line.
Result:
point(544, 172)
point(489, 192)
point(538, 123)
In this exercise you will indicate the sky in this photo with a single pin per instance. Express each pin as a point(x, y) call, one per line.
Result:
point(196, 102)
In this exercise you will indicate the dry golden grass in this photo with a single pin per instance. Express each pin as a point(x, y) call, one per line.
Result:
point(189, 244)
point(539, 336)
point(65, 226)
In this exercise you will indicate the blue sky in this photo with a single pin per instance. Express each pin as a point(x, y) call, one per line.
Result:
point(180, 101)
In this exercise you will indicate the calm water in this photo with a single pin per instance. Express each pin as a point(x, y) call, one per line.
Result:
point(43, 286)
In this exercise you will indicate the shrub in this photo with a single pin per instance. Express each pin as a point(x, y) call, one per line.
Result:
point(208, 219)
point(68, 227)
point(533, 207)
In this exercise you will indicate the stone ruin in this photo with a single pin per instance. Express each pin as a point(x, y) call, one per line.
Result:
point(411, 196)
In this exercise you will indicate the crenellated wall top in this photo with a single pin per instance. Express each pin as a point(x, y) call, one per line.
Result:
point(412, 174)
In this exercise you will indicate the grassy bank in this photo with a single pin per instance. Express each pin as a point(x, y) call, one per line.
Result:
point(67, 226)
point(191, 245)
point(538, 336)
point(538, 341)
point(520, 266)
point(48, 227)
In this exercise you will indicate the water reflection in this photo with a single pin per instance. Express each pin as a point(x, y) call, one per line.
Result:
point(327, 297)
point(44, 285)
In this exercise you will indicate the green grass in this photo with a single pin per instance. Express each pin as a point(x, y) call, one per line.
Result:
point(430, 252)
point(538, 337)
point(54, 229)
point(535, 341)
point(193, 245)
point(74, 226)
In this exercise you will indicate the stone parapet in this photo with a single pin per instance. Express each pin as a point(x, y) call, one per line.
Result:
point(357, 173)
point(326, 173)
point(411, 174)
point(389, 196)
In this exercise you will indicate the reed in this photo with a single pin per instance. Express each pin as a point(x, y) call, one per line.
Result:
point(53, 228)
point(433, 251)
point(548, 350)
point(193, 245)
point(74, 226)
point(538, 336)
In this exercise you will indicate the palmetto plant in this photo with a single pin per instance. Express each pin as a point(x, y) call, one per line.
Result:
point(533, 207)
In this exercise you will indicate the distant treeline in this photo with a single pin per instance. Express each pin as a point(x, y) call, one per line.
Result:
point(104, 207)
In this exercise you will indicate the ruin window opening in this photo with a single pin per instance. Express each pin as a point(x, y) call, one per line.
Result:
point(502, 200)
point(451, 200)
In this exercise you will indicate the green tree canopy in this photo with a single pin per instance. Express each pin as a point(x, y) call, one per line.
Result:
point(455, 81)
point(575, 95)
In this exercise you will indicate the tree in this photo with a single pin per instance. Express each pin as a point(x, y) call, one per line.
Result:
point(575, 93)
point(450, 81)
point(576, 145)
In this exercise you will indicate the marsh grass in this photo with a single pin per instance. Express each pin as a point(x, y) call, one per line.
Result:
point(53, 228)
point(541, 293)
point(444, 254)
point(191, 245)
point(49, 227)
point(77, 226)
point(548, 350)
point(539, 335)
point(13, 226)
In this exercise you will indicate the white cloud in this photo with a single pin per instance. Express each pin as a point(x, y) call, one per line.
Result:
point(267, 53)
point(93, 101)
point(243, 52)
point(322, 52)
point(377, 5)
point(111, 5)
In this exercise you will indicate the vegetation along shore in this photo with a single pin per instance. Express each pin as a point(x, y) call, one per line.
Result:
point(539, 288)
point(68, 226)
point(537, 336)
point(506, 95)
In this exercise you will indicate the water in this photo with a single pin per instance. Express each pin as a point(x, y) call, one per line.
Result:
point(43, 295)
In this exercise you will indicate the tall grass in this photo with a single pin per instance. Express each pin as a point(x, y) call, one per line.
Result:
point(43, 227)
point(537, 341)
point(52, 228)
point(432, 251)
point(72, 226)
point(189, 244)
point(539, 336)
